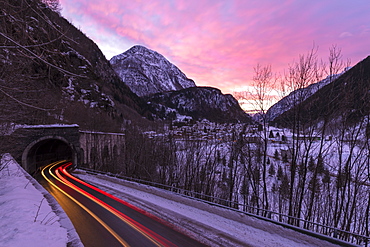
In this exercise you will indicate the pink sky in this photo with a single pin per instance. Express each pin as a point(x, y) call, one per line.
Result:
point(218, 42)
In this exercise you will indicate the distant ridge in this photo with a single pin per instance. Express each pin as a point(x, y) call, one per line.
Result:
point(199, 103)
point(287, 102)
point(346, 97)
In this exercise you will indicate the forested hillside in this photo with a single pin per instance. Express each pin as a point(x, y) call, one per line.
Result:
point(51, 72)
point(346, 99)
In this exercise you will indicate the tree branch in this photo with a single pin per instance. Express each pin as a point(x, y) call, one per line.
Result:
point(34, 54)
point(22, 103)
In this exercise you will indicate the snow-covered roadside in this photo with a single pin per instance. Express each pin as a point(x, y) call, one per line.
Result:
point(209, 224)
point(29, 215)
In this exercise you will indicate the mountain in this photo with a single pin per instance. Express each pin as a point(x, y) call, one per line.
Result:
point(288, 101)
point(169, 93)
point(199, 103)
point(147, 72)
point(346, 99)
point(50, 72)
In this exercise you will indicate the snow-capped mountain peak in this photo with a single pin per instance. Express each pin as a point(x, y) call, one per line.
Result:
point(147, 72)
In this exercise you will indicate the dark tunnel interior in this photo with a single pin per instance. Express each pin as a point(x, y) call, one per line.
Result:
point(46, 152)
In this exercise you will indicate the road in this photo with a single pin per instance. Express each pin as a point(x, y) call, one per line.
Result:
point(101, 219)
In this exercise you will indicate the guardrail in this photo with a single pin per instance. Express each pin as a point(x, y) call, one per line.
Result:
point(328, 233)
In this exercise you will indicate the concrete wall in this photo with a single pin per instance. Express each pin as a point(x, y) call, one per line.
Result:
point(102, 150)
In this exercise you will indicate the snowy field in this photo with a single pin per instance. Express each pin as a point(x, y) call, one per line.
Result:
point(29, 216)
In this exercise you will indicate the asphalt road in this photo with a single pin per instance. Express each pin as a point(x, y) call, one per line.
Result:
point(101, 219)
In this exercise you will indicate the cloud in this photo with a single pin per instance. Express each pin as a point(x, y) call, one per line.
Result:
point(218, 42)
point(345, 34)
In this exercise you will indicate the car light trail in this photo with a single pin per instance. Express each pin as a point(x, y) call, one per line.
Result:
point(58, 171)
point(119, 239)
point(66, 173)
point(155, 238)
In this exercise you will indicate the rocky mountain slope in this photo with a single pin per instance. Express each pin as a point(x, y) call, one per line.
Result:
point(347, 98)
point(51, 72)
point(147, 72)
point(287, 102)
point(198, 103)
point(169, 92)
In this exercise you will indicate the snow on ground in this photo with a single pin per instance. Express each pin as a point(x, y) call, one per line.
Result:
point(209, 224)
point(28, 214)
point(30, 217)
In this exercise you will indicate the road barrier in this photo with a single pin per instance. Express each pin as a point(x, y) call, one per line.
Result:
point(324, 232)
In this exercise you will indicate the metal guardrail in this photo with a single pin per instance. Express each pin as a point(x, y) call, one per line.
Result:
point(328, 233)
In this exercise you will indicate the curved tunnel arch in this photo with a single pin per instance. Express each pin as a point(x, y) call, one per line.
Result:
point(47, 150)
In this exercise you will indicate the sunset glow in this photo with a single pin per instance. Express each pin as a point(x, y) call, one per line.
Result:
point(218, 42)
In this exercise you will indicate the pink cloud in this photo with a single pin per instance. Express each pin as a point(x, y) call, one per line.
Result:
point(218, 42)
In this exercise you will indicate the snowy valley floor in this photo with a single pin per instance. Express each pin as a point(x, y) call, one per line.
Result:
point(26, 219)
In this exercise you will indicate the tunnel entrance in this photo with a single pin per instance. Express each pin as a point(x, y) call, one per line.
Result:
point(46, 151)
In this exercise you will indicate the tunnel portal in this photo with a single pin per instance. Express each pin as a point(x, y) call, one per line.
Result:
point(34, 146)
point(46, 151)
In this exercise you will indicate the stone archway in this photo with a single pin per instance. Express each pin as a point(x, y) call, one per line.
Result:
point(46, 150)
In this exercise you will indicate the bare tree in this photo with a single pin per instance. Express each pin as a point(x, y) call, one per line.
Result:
point(263, 84)
point(335, 66)
point(306, 71)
